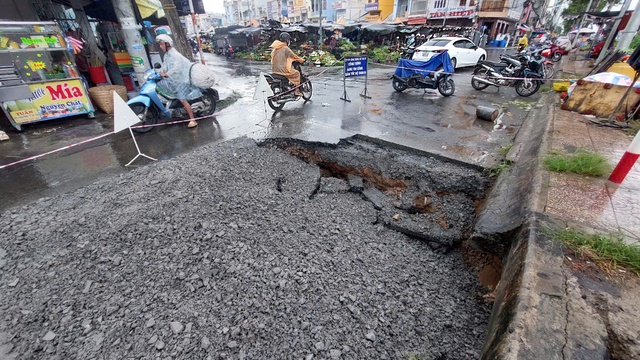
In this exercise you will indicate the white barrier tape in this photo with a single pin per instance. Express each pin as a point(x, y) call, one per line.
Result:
point(104, 135)
point(55, 151)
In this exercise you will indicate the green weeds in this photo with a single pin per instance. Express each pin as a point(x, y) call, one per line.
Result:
point(504, 149)
point(581, 162)
point(608, 251)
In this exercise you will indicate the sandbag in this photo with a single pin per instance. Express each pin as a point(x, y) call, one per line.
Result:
point(201, 76)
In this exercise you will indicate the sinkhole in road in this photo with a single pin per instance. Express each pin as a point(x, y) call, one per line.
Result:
point(422, 195)
point(419, 194)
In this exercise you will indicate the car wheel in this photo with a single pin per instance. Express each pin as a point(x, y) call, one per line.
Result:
point(481, 59)
point(454, 62)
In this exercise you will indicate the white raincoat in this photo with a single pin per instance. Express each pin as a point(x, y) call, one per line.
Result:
point(177, 85)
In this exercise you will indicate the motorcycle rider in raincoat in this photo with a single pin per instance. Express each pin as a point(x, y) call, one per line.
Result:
point(523, 42)
point(282, 58)
point(176, 82)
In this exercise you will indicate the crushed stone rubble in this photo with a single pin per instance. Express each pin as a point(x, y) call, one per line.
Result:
point(222, 253)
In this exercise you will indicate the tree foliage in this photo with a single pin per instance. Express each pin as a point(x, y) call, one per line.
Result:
point(579, 6)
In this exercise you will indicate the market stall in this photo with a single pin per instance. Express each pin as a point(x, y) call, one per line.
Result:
point(39, 53)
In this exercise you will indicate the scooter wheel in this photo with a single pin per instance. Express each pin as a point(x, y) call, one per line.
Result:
point(446, 87)
point(148, 118)
point(527, 87)
point(398, 86)
point(477, 84)
point(307, 90)
point(272, 102)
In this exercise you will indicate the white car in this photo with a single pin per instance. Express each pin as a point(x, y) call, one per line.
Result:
point(462, 51)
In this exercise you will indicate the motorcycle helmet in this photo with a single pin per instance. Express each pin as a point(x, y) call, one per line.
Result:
point(165, 38)
point(285, 37)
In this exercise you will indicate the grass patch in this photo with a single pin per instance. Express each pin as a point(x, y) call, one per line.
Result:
point(504, 149)
point(634, 126)
point(545, 88)
point(524, 105)
point(581, 162)
point(608, 251)
point(495, 171)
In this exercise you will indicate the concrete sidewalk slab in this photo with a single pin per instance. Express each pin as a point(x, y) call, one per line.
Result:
point(589, 201)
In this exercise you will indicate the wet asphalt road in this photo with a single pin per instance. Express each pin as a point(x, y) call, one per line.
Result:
point(425, 121)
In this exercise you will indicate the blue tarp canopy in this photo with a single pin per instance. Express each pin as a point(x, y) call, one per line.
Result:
point(407, 68)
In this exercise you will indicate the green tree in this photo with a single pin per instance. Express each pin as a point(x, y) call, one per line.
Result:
point(577, 7)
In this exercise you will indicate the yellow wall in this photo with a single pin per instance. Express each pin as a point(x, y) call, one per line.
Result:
point(385, 7)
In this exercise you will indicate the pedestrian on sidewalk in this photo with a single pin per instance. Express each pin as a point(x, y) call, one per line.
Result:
point(176, 82)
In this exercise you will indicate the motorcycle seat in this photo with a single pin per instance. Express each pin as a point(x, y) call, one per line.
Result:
point(280, 77)
point(495, 65)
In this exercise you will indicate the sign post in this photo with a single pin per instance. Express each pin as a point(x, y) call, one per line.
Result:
point(124, 118)
point(355, 66)
point(263, 91)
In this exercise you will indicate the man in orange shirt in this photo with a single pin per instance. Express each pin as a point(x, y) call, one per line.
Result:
point(282, 58)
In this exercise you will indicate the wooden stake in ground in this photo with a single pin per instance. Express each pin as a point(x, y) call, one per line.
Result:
point(179, 38)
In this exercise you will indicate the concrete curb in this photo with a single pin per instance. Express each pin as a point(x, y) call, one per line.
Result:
point(538, 311)
point(505, 211)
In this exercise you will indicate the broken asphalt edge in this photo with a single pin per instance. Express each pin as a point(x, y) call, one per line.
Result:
point(537, 314)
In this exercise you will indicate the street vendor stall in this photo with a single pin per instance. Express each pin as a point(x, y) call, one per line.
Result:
point(41, 58)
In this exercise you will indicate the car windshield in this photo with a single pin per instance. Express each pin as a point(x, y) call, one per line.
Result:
point(437, 42)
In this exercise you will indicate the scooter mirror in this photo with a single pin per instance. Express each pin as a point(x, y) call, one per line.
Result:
point(157, 66)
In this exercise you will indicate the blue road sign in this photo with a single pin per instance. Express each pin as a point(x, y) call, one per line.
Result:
point(355, 66)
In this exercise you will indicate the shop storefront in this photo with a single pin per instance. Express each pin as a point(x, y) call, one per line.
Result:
point(460, 16)
point(35, 56)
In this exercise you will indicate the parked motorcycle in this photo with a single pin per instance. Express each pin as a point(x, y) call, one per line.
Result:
point(148, 106)
point(194, 45)
point(407, 52)
point(229, 52)
point(521, 72)
point(284, 90)
point(432, 74)
point(554, 52)
point(547, 70)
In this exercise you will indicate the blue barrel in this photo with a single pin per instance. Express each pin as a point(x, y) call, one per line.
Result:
point(503, 43)
point(493, 43)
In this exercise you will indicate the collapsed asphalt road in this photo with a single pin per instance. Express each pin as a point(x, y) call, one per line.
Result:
point(239, 251)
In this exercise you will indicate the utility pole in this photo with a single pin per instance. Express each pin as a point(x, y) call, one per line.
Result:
point(196, 30)
point(630, 30)
point(612, 33)
point(133, 40)
point(179, 39)
point(320, 22)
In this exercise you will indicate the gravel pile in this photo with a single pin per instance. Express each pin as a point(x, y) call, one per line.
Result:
point(223, 253)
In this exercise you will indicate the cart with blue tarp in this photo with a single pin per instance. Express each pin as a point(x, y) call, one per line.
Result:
point(434, 73)
point(407, 67)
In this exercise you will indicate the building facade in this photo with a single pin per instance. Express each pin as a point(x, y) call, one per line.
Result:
point(443, 12)
point(501, 16)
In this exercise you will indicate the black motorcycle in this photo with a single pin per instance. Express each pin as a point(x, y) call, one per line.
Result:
point(407, 52)
point(410, 75)
point(284, 90)
point(520, 71)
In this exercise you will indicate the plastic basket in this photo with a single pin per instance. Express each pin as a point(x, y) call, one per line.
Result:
point(103, 96)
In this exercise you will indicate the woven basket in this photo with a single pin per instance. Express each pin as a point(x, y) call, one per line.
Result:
point(103, 96)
